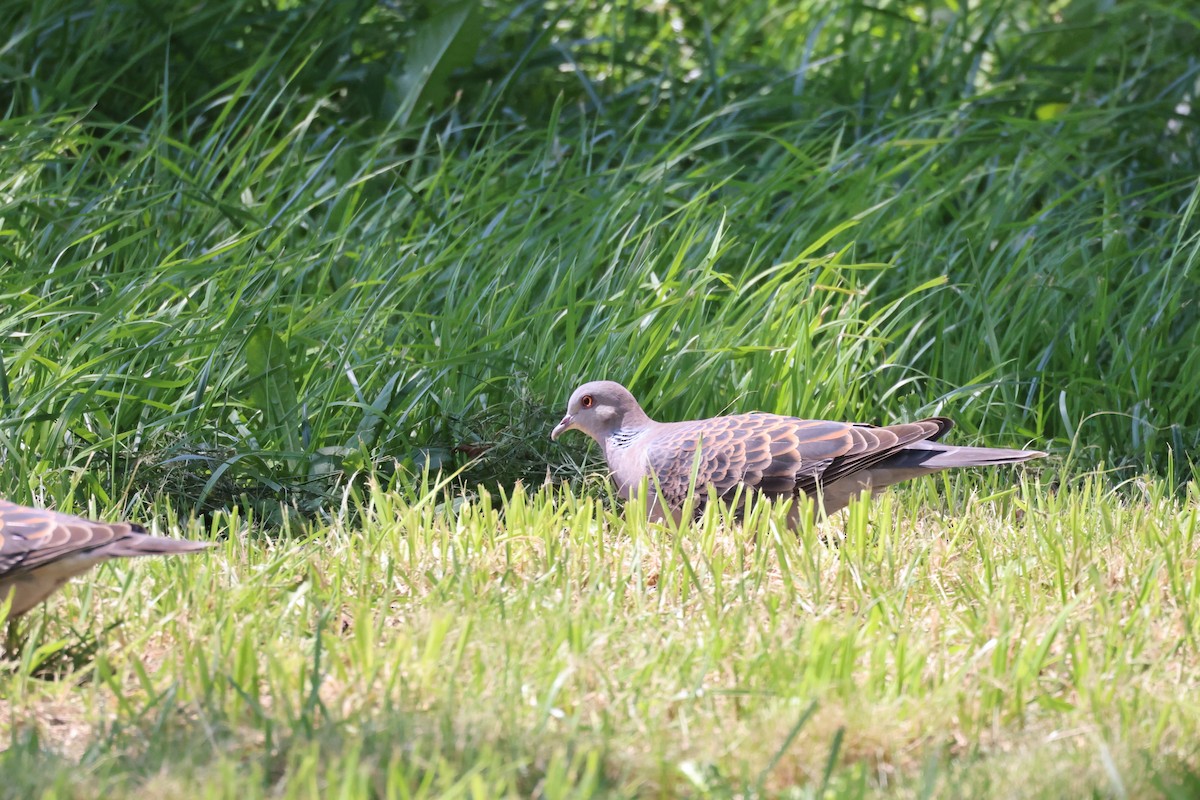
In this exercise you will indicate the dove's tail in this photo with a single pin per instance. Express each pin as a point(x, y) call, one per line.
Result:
point(140, 543)
point(934, 456)
point(914, 461)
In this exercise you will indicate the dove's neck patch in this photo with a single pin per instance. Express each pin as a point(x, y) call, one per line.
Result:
point(623, 437)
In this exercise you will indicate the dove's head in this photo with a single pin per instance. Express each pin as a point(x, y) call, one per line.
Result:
point(600, 408)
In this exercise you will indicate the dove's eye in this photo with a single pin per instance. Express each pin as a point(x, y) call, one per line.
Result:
point(586, 401)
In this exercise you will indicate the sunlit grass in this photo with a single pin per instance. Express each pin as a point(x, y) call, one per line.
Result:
point(542, 643)
point(235, 282)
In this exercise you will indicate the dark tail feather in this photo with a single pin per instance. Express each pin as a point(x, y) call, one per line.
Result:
point(934, 456)
point(146, 545)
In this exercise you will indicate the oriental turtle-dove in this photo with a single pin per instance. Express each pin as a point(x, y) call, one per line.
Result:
point(41, 550)
point(767, 454)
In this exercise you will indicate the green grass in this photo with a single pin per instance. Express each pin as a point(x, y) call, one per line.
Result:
point(258, 259)
point(952, 644)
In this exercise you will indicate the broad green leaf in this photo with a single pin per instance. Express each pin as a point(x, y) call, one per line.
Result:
point(273, 389)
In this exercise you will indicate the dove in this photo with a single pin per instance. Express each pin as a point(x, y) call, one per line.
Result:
point(41, 550)
point(770, 455)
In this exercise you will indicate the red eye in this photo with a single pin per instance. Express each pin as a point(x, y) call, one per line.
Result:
point(586, 401)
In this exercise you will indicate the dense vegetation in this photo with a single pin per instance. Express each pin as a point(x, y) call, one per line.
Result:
point(261, 256)
point(247, 248)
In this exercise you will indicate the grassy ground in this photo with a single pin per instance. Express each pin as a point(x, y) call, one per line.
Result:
point(253, 253)
point(1027, 643)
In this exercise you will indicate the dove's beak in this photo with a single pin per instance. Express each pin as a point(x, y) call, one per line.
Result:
point(562, 427)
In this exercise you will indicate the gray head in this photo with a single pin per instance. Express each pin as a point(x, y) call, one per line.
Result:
point(598, 409)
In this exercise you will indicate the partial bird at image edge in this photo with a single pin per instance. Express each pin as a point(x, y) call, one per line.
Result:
point(40, 550)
